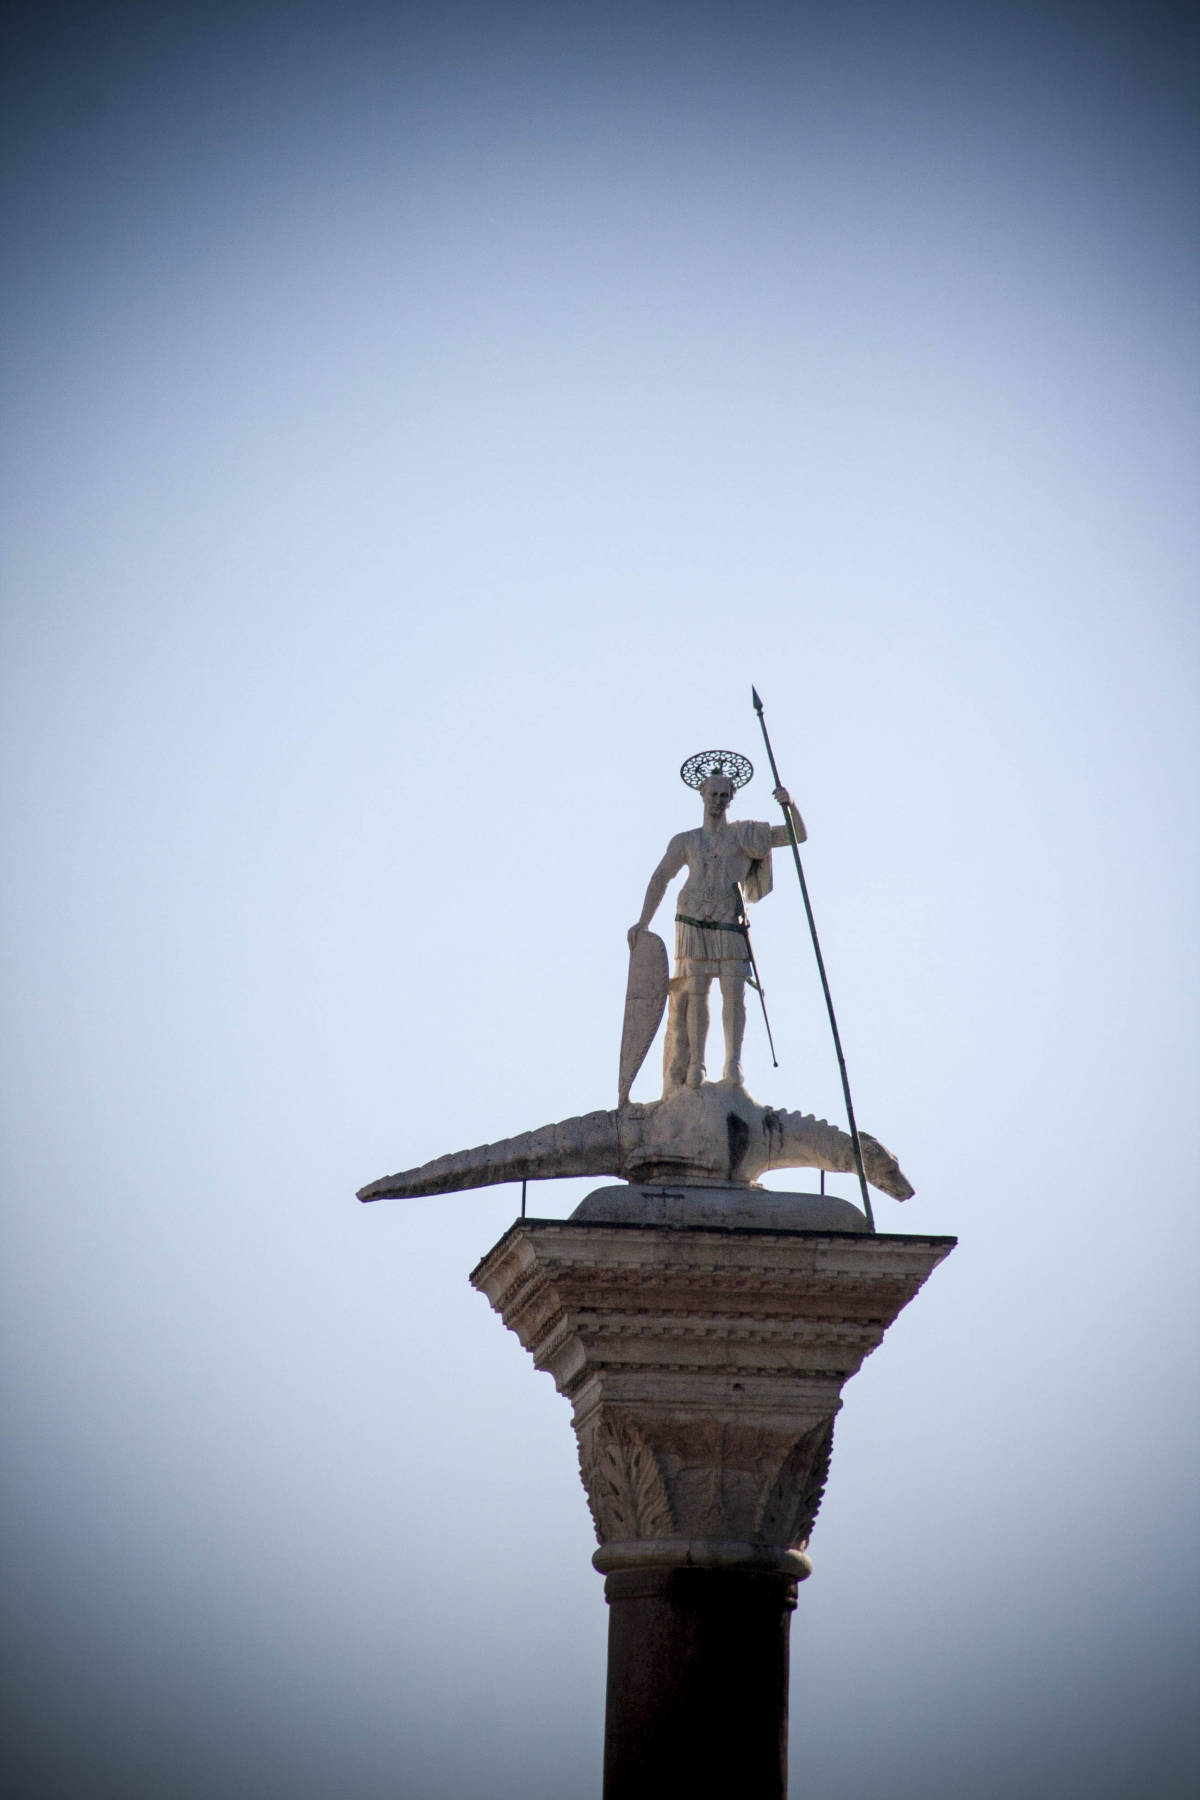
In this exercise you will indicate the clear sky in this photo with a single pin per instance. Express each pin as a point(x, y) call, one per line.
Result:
point(423, 425)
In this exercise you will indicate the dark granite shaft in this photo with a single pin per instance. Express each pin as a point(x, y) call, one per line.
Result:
point(697, 1683)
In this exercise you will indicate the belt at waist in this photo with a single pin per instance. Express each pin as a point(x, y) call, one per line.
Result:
point(709, 924)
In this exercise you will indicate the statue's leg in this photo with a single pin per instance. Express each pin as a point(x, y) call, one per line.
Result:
point(675, 1048)
point(697, 1028)
point(733, 1013)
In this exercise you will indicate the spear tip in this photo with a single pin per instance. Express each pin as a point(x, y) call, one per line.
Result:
point(757, 701)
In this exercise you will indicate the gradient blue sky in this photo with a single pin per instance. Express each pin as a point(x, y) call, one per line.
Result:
point(423, 425)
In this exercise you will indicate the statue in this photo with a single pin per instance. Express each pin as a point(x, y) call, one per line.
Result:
point(704, 1133)
point(727, 863)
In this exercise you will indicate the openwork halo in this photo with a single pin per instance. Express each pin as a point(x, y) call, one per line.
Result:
point(697, 769)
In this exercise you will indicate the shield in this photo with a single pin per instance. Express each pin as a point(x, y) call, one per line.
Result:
point(645, 1000)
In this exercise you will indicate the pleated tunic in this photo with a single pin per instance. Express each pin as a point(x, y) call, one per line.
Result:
point(725, 866)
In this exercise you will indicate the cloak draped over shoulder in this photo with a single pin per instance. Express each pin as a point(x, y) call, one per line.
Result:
point(754, 839)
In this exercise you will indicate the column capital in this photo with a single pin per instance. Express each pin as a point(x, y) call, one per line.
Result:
point(704, 1366)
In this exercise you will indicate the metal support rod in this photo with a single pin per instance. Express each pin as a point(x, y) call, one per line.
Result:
point(816, 943)
point(755, 977)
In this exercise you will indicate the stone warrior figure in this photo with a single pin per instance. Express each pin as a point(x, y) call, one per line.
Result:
point(700, 1133)
point(728, 861)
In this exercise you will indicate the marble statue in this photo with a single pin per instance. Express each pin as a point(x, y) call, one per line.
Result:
point(706, 1133)
point(728, 863)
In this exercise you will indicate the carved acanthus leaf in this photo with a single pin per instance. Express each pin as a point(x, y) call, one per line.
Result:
point(794, 1497)
point(623, 1481)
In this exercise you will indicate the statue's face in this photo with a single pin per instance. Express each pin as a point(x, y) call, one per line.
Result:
point(718, 792)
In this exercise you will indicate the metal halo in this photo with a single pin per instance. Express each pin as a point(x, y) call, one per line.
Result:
point(697, 769)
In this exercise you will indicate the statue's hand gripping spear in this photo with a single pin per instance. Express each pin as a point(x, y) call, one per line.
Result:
point(816, 943)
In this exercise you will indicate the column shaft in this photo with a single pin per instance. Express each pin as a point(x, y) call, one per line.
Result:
point(697, 1683)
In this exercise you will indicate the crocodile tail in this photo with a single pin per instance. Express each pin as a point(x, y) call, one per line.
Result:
point(586, 1145)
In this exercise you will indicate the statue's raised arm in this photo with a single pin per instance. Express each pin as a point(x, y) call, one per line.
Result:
point(779, 833)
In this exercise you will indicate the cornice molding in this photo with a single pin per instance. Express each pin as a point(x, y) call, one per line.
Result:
point(705, 1368)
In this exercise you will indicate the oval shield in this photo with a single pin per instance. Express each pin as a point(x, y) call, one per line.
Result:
point(645, 1001)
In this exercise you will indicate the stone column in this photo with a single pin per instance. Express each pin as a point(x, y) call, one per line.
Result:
point(697, 1683)
point(704, 1364)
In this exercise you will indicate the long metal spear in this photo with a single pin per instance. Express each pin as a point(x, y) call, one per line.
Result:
point(816, 942)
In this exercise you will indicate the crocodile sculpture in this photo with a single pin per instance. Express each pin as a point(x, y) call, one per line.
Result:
point(715, 1134)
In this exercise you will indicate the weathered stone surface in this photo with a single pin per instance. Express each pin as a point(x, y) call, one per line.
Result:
point(727, 1206)
point(704, 1366)
point(645, 1003)
point(712, 1134)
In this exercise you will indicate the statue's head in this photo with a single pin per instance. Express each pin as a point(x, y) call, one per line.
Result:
point(716, 775)
point(716, 791)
